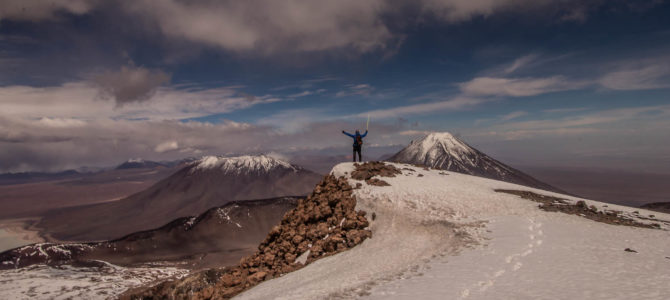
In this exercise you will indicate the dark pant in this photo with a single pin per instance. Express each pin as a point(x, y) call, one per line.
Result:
point(357, 149)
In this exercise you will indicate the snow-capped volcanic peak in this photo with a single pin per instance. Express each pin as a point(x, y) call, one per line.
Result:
point(436, 148)
point(241, 164)
point(441, 141)
point(442, 150)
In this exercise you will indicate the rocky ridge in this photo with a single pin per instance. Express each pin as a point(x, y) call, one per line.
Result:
point(580, 208)
point(323, 224)
point(219, 236)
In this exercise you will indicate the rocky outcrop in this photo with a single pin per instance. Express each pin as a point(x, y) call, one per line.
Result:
point(580, 208)
point(368, 170)
point(323, 224)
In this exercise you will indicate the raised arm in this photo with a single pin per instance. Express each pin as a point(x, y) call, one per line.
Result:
point(349, 134)
point(363, 135)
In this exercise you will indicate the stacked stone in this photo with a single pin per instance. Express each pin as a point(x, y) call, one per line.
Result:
point(323, 224)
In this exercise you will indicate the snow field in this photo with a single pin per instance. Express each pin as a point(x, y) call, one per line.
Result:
point(451, 236)
point(67, 282)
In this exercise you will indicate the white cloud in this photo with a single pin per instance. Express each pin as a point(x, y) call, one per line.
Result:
point(643, 78)
point(356, 90)
point(520, 63)
point(513, 115)
point(518, 87)
point(61, 122)
point(270, 26)
point(166, 146)
point(564, 110)
point(80, 100)
point(456, 103)
point(601, 121)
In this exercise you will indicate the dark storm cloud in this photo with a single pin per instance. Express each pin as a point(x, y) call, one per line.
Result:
point(130, 84)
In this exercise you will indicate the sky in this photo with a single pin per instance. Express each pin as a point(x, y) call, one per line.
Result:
point(556, 83)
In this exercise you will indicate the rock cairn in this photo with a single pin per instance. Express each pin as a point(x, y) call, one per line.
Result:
point(323, 224)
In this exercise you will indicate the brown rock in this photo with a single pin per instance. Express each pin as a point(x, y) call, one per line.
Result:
point(257, 277)
point(297, 239)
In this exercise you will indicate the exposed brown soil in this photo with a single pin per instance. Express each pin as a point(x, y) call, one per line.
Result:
point(323, 224)
point(550, 203)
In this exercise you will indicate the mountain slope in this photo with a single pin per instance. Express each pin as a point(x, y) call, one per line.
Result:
point(209, 182)
point(445, 235)
point(218, 237)
point(442, 150)
point(663, 207)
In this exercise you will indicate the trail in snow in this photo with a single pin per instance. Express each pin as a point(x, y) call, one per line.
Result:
point(453, 237)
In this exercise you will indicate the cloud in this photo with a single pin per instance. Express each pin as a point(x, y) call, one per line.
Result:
point(80, 100)
point(38, 10)
point(61, 122)
point(130, 84)
point(32, 145)
point(456, 103)
point(518, 87)
point(269, 26)
point(564, 110)
point(363, 89)
point(513, 115)
point(520, 63)
point(601, 121)
point(654, 76)
point(166, 146)
point(297, 26)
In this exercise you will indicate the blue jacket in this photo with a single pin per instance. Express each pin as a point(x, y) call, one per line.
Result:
point(355, 135)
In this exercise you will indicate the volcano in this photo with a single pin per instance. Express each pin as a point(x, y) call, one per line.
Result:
point(205, 183)
point(442, 150)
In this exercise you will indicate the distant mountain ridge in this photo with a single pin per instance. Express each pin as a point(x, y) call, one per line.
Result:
point(139, 163)
point(202, 184)
point(663, 207)
point(24, 177)
point(219, 236)
point(442, 150)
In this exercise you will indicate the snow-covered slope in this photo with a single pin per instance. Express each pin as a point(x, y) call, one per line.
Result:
point(241, 164)
point(442, 150)
point(445, 235)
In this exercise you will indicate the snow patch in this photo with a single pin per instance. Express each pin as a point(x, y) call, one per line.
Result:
point(67, 282)
point(241, 164)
